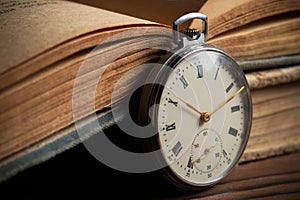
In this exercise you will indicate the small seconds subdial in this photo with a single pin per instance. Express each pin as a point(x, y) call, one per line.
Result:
point(206, 150)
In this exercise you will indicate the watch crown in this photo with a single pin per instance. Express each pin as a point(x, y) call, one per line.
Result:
point(192, 33)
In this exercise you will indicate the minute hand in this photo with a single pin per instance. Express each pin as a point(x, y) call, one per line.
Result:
point(229, 99)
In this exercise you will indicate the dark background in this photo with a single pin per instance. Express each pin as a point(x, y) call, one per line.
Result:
point(76, 172)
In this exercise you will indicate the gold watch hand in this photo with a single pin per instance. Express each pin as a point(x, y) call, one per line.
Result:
point(189, 105)
point(229, 99)
point(204, 116)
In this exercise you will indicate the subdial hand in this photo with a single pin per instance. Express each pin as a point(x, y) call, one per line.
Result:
point(229, 99)
point(205, 153)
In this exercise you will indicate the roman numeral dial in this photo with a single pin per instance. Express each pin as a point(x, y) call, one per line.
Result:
point(203, 114)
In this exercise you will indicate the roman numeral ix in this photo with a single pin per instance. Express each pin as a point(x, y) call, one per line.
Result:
point(170, 127)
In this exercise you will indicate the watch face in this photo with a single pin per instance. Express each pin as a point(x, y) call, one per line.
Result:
point(203, 118)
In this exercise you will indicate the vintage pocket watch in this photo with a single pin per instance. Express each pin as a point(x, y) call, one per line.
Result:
point(204, 110)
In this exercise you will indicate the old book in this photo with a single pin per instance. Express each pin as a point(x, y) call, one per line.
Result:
point(275, 129)
point(247, 29)
point(39, 61)
point(42, 53)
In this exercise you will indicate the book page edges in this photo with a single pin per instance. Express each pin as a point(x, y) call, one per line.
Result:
point(226, 15)
point(50, 24)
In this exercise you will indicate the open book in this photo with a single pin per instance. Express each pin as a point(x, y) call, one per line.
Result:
point(44, 44)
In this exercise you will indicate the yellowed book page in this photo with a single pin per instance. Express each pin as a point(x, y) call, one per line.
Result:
point(276, 107)
point(267, 78)
point(275, 125)
point(277, 36)
point(29, 28)
point(230, 14)
point(42, 105)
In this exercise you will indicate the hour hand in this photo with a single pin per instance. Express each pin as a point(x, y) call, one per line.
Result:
point(204, 116)
point(189, 105)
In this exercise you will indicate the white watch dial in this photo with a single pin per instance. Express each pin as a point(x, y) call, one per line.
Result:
point(203, 117)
